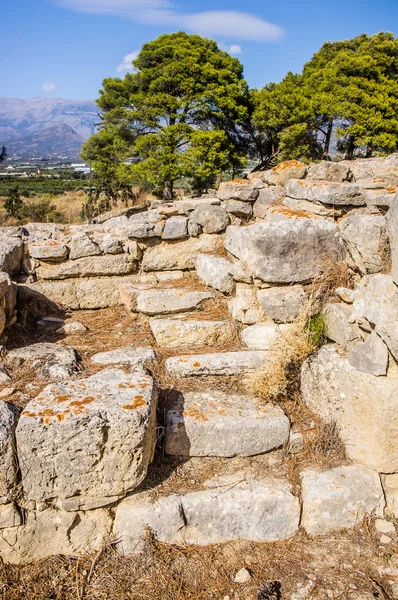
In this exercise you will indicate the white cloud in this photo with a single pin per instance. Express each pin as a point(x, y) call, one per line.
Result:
point(126, 65)
point(232, 49)
point(49, 87)
point(228, 23)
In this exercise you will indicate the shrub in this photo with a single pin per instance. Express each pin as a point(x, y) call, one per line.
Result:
point(14, 204)
point(40, 211)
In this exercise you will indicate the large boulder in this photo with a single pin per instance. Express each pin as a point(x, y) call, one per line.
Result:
point(180, 255)
point(378, 168)
point(376, 301)
point(219, 424)
point(8, 459)
point(340, 498)
point(89, 440)
point(90, 266)
point(283, 304)
point(176, 333)
point(363, 406)
point(175, 228)
point(339, 194)
point(286, 251)
point(49, 361)
point(263, 511)
point(329, 171)
point(212, 219)
point(214, 271)
point(366, 240)
point(240, 189)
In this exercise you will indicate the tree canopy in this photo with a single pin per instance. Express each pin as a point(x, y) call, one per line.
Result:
point(179, 113)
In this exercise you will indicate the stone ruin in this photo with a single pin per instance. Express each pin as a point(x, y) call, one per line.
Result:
point(73, 460)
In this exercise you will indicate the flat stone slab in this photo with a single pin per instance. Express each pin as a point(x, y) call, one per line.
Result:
point(219, 424)
point(91, 439)
point(49, 361)
point(370, 356)
point(326, 192)
point(283, 304)
point(340, 498)
point(125, 356)
point(215, 272)
point(222, 363)
point(178, 333)
point(248, 510)
point(90, 266)
point(263, 336)
point(168, 301)
point(171, 256)
point(48, 250)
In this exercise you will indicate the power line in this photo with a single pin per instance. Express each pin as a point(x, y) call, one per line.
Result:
point(24, 31)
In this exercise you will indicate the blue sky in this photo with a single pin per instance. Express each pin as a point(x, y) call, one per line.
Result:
point(75, 44)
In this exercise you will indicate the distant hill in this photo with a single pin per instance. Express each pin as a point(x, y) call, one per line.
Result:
point(46, 127)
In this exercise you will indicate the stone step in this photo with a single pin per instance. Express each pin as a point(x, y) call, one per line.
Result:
point(219, 424)
point(248, 510)
point(263, 335)
point(179, 333)
point(221, 363)
point(161, 302)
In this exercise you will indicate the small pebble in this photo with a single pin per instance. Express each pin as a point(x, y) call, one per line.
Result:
point(242, 576)
point(72, 327)
point(385, 539)
point(384, 526)
point(7, 392)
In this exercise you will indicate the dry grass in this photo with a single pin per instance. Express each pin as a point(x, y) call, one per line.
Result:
point(338, 565)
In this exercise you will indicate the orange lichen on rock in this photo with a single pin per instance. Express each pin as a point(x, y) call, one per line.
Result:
point(287, 164)
point(138, 402)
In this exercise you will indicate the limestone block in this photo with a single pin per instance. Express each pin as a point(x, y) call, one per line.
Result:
point(370, 356)
point(215, 272)
point(48, 250)
point(238, 208)
point(267, 197)
point(311, 207)
point(363, 407)
point(263, 336)
point(339, 498)
point(219, 424)
point(180, 255)
point(249, 510)
point(81, 246)
point(279, 175)
point(11, 255)
point(125, 356)
point(91, 266)
point(175, 228)
point(345, 294)
point(176, 333)
point(339, 194)
point(8, 460)
point(244, 307)
point(338, 325)
point(286, 251)
point(327, 170)
point(212, 219)
point(169, 301)
point(240, 189)
point(392, 230)
point(283, 304)
point(9, 516)
point(92, 438)
point(49, 361)
point(111, 244)
point(366, 240)
point(221, 363)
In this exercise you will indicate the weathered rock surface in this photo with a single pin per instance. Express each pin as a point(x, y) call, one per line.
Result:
point(11, 254)
point(180, 255)
point(9, 516)
point(72, 327)
point(392, 230)
point(221, 363)
point(267, 197)
point(379, 168)
point(363, 406)
point(366, 240)
point(49, 361)
point(8, 461)
point(279, 175)
point(51, 532)
point(390, 487)
point(175, 228)
point(263, 335)
point(370, 356)
point(212, 219)
point(340, 498)
point(173, 333)
point(261, 512)
point(329, 171)
point(376, 300)
point(244, 306)
point(48, 250)
point(283, 304)
point(240, 189)
point(338, 325)
point(92, 438)
point(339, 194)
point(81, 246)
point(287, 251)
point(238, 208)
point(219, 424)
point(168, 301)
point(311, 207)
point(125, 356)
point(91, 266)
point(215, 272)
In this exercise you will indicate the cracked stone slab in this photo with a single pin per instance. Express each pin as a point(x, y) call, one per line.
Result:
point(215, 271)
point(243, 510)
point(177, 333)
point(49, 361)
point(88, 439)
point(48, 250)
point(219, 424)
point(370, 356)
point(169, 301)
point(89, 266)
point(125, 356)
point(326, 192)
point(221, 363)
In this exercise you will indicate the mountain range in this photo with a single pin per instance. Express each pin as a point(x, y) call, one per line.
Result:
point(46, 127)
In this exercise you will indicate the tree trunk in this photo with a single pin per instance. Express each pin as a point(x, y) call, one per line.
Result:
point(328, 136)
point(369, 150)
point(349, 155)
point(168, 191)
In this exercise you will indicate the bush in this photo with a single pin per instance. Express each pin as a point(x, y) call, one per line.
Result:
point(41, 211)
point(14, 204)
